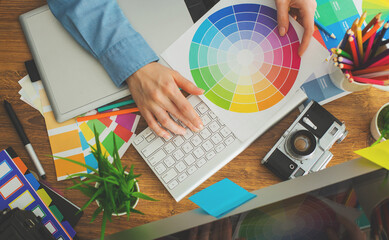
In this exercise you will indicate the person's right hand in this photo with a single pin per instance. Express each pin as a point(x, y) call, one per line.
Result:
point(155, 90)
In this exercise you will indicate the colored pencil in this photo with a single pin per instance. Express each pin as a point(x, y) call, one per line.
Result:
point(108, 114)
point(360, 42)
point(368, 49)
point(345, 60)
point(375, 74)
point(354, 25)
point(344, 42)
point(384, 42)
point(115, 105)
point(372, 22)
point(353, 50)
point(324, 29)
point(370, 81)
point(376, 58)
point(374, 29)
point(379, 39)
point(371, 70)
point(362, 19)
point(381, 62)
point(343, 53)
point(345, 66)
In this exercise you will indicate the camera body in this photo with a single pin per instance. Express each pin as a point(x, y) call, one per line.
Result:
point(304, 147)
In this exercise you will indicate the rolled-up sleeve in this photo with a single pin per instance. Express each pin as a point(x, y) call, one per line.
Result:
point(101, 28)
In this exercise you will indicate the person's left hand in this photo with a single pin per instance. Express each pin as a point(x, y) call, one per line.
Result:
point(301, 10)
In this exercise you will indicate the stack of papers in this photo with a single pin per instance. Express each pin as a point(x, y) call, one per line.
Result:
point(72, 139)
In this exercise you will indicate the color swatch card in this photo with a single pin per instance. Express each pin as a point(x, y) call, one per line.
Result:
point(16, 190)
point(337, 16)
point(373, 7)
point(120, 127)
point(248, 71)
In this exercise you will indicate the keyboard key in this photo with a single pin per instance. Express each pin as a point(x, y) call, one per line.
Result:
point(173, 184)
point(156, 144)
point(213, 116)
point(198, 152)
point(160, 168)
point(178, 154)
point(169, 175)
point(229, 140)
point(202, 107)
point(210, 155)
point(196, 140)
point(187, 147)
point(180, 166)
point(169, 148)
point(178, 141)
point(169, 161)
point(201, 162)
point(150, 137)
point(225, 131)
point(216, 138)
point(182, 177)
point(189, 159)
point(205, 119)
point(221, 123)
point(158, 156)
point(205, 133)
point(207, 145)
point(220, 147)
point(138, 140)
point(147, 132)
point(192, 169)
point(188, 134)
point(214, 126)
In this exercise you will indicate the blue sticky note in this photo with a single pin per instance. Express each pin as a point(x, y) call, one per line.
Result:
point(221, 198)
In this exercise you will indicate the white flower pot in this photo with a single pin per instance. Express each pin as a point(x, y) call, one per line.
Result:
point(374, 124)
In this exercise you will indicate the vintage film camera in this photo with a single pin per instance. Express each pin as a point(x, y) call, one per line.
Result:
point(304, 147)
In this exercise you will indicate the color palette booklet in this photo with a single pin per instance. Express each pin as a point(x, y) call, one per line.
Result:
point(19, 189)
point(248, 71)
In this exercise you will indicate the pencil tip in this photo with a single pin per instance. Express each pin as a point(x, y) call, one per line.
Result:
point(333, 36)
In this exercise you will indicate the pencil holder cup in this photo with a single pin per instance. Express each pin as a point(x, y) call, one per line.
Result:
point(340, 80)
point(374, 125)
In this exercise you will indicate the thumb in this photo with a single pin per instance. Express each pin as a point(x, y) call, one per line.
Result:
point(187, 85)
point(282, 16)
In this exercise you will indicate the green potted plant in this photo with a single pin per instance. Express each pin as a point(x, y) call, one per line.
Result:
point(115, 190)
point(379, 126)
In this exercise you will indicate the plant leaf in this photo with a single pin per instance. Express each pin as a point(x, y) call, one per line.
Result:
point(143, 196)
point(136, 211)
point(97, 193)
point(78, 163)
point(96, 213)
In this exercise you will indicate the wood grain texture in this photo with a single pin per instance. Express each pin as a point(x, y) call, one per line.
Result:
point(356, 110)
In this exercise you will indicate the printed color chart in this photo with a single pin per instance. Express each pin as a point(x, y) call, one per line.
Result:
point(240, 60)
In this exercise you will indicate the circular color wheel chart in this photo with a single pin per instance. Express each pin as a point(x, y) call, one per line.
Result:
point(238, 57)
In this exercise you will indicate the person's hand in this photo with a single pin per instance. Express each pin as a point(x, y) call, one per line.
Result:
point(155, 89)
point(301, 10)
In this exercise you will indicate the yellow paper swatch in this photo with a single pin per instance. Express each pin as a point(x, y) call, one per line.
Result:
point(378, 154)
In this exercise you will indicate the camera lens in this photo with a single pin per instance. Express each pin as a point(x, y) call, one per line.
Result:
point(302, 143)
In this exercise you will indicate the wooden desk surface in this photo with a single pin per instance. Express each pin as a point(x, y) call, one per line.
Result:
point(356, 110)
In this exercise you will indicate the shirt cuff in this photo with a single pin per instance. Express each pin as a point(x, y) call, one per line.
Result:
point(126, 57)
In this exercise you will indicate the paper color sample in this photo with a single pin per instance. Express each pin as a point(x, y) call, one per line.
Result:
point(221, 198)
point(378, 154)
point(24, 196)
point(239, 66)
point(373, 7)
point(337, 16)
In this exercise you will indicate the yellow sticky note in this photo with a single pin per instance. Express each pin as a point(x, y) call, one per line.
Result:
point(44, 196)
point(378, 154)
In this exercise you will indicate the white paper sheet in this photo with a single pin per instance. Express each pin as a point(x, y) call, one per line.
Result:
point(244, 124)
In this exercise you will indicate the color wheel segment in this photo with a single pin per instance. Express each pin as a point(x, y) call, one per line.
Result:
point(240, 60)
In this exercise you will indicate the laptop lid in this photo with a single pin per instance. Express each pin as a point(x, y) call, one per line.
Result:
point(74, 81)
point(301, 208)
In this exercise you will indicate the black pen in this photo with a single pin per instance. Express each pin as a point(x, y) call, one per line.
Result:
point(19, 128)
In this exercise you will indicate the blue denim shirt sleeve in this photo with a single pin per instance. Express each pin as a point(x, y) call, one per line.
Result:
point(102, 29)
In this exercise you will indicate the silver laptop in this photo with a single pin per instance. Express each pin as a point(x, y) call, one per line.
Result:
point(75, 82)
point(303, 208)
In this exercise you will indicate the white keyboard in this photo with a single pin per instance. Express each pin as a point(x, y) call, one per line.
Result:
point(185, 161)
